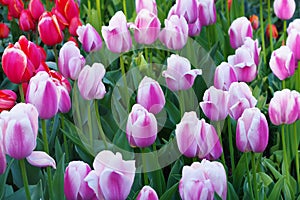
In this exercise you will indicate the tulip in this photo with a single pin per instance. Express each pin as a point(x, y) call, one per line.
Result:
point(224, 76)
point(62, 21)
point(70, 61)
point(282, 62)
point(292, 40)
point(73, 26)
point(141, 129)
point(41, 159)
point(68, 8)
point(90, 82)
point(116, 35)
point(212, 99)
point(146, 4)
point(294, 25)
point(7, 99)
point(297, 99)
point(274, 31)
point(179, 75)
point(146, 27)
point(74, 185)
point(174, 35)
point(252, 131)
point(89, 38)
point(4, 31)
point(195, 28)
point(284, 9)
point(252, 46)
point(239, 29)
point(2, 153)
point(202, 180)
point(49, 30)
point(187, 9)
point(254, 21)
point(207, 12)
point(147, 193)
point(26, 22)
point(112, 177)
point(283, 108)
point(15, 8)
point(240, 98)
point(36, 9)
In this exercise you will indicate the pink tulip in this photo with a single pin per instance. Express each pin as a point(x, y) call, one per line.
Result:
point(90, 82)
point(89, 38)
point(292, 40)
point(224, 76)
point(116, 35)
point(179, 75)
point(175, 34)
point(195, 28)
point(252, 131)
point(15, 8)
point(150, 95)
point(294, 25)
point(212, 99)
point(112, 176)
point(147, 27)
point(207, 12)
point(296, 94)
point(202, 180)
point(283, 108)
point(282, 62)
point(36, 8)
point(146, 4)
point(70, 61)
point(74, 185)
point(187, 9)
point(284, 9)
point(141, 129)
point(7, 99)
point(239, 29)
point(240, 98)
point(147, 193)
point(252, 46)
point(41, 159)
point(26, 22)
point(2, 152)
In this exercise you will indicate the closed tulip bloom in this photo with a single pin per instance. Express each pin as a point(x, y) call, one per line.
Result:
point(147, 193)
point(274, 31)
point(284, 9)
point(112, 177)
point(15, 8)
point(74, 185)
point(252, 46)
point(240, 98)
point(175, 34)
point(146, 27)
point(283, 108)
point(187, 9)
point(296, 95)
point(141, 129)
point(224, 76)
point(70, 61)
point(292, 40)
point(254, 21)
point(214, 104)
point(2, 152)
point(195, 28)
point(4, 31)
point(252, 131)
point(179, 75)
point(89, 38)
point(150, 95)
point(73, 26)
point(146, 4)
point(202, 180)
point(7, 99)
point(68, 9)
point(282, 62)
point(36, 9)
point(90, 82)
point(239, 29)
point(294, 25)
point(116, 35)
point(49, 30)
point(207, 12)
point(26, 22)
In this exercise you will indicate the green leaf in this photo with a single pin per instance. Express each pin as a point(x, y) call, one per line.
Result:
point(175, 171)
point(275, 194)
point(170, 192)
point(231, 194)
point(58, 179)
point(239, 172)
point(267, 180)
point(3, 178)
point(36, 192)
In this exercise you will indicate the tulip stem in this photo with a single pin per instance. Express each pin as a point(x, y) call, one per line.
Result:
point(254, 175)
point(103, 137)
point(270, 26)
point(283, 84)
point(25, 180)
point(285, 159)
point(124, 8)
point(220, 138)
point(76, 104)
point(98, 5)
point(127, 100)
point(21, 93)
point(181, 102)
point(298, 77)
point(297, 154)
point(262, 30)
point(284, 31)
point(248, 176)
point(227, 13)
point(62, 120)
point(56, 56)
point(90, 125)
point(144, 166)
point(231, 145)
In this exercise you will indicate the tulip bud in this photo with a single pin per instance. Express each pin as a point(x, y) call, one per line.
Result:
point(4, 31)
point(274, 31)
point(174, 35)
point(150, 95)
point(292, 40)
point(239, 29)
point(48, 24)
point(207, 12)
point(74, 185)
point(252, 131)
point(112, 176)
point(254, 21)
point(179, 75)
point(7, 99)
point(116, 35)
point(202, 180)
point(282, 62)
point(284, 9)
point(147, 193)
point(294, 25)
point(283, 108)
point(90, 82)
point(146, 4)
point(187, 9)
point(89, 38)
point(70, 61)
point(26, 22)
point(212, 99)
point(224, 76)
point(15, 8)
point(36, 8)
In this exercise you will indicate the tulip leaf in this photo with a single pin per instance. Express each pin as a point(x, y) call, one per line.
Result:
point(239, 172)
point(170, 192)
point(157, 181)
point(175, 171)
point(275, 194)
point(36, 192)
point(58, 148)
point(58, 179)
point(267, 180)
point(231, 193)
point(3, 178)
point(268, 163)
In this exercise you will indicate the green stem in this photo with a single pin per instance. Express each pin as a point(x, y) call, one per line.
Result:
point(181, 102)
point(254, 175)
point(283, 84)
point(146, 182)
point(285, 159)
point(297, 154)
point(208, 37)
point(262, 31)
point(248, 176)
point(76, 104)
point(298, 77)
point(25, 180)
point(284, 31)
point(124, 8)
point(243, 8)
point(270, 26)
point(127, 100)
point(103, 137)
point(62, 120)
point(56, 55)
point(220, 138)
point(21, 93)
point(227, 13)
point(231, 145)
point(98, 6)
point(90, 125)
point(195, 159)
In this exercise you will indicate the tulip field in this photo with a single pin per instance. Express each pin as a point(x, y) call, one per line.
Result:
point(149, 99)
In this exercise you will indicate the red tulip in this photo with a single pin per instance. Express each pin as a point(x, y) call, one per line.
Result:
point(68, 8)
point(15, 8)
point(36, 8)
point(4, 30)
point(274, 31)
point(7, 99)
point(26, 22)
point(254, 21)
point(74, 24)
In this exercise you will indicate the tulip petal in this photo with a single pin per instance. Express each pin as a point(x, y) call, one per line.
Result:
point(41, 159)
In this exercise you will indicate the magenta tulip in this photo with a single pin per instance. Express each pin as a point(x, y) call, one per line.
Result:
point(146, 4)
point(202, 180)
point(187, 9)
point(2, 152)
point(26, 22)
point(112, 177)
point(36, 8)
point(296, 94)
point(89, 38)
point(239, 29)
point(252, 46)
point(292, 40)
point(179, 75)
point(116, 35)
point(283, 108)
point(195, 28)
point(282, 62)
point(147, 193)
point(284, 9)
point(294, 25)
point(224, 76)
point(8, 99)
point(207, 12)
point(252, 131)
